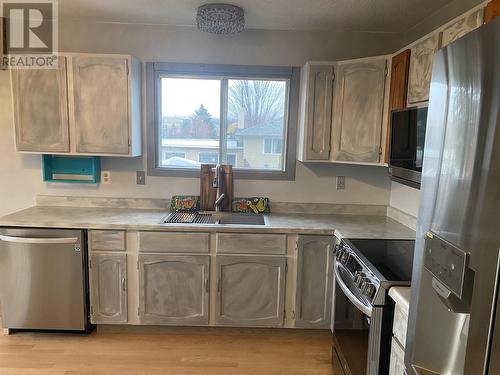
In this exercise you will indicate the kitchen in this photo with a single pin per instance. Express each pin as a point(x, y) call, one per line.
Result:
point(111, 165)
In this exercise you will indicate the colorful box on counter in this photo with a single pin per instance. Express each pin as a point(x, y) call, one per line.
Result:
point(256, 205)
point(185, 203)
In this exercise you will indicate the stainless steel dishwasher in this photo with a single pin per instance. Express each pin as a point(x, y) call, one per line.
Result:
point(43, 279)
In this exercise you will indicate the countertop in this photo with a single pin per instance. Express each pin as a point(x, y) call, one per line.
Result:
point(401, 295)
point(349, 226)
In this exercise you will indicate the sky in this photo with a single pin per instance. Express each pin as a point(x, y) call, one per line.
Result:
point(182, 96)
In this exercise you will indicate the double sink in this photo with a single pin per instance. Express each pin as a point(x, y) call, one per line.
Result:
point(216, 218)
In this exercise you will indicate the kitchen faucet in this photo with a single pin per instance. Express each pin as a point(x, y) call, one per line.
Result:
point(218, 181)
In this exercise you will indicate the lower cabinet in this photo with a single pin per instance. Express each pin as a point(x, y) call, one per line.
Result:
point(174, 289)
point(397, 366)
point(313, 299)
point(108, 288)
point(250, 290)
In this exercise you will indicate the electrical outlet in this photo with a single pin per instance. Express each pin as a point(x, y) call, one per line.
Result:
point(106, 177)
point(141, 178)
point(340, 182)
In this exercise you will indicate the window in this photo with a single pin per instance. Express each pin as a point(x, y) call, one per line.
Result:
point(239, 115)
point(272, 146)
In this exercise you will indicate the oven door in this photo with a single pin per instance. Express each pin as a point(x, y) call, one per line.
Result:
point(351, 326)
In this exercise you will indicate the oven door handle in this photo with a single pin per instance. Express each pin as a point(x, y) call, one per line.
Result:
point(350, 295)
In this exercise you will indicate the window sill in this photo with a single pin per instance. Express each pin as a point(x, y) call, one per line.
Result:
point(237, 174)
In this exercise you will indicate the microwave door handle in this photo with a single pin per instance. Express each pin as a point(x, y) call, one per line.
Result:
point(364, 309)
point(38, 240)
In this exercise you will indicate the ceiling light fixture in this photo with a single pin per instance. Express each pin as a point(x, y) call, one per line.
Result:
point(220, 19)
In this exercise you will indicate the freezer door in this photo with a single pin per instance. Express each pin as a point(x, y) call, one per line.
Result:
point(42, 280)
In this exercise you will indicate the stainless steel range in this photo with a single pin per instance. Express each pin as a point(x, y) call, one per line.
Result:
point(362, 323)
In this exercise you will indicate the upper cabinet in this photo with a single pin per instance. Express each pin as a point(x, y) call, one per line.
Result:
point(421, 69)
point(341, 113)
point(461, 27)
point(400, 67)
point(90, 105)
point(40, 109)
point(99, 96)
point(358, 111)
point(492, 10)
point(317, 94)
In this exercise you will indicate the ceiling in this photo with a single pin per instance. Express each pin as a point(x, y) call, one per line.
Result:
point(384, 16)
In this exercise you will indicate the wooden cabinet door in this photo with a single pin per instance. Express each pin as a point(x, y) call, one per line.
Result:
point(400, 68)
point(99, 104)
point(108, 288)
point(491, 11)
point(40, 109)
point(250, 290)
point(173, 289)
point(318, 112)
point(461, 27)
point(358, 110)
point(313, 299)
point(419, 80)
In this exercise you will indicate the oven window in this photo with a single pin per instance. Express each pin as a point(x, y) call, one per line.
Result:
point(351, 330)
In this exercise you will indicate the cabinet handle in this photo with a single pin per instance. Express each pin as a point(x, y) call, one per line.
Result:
point(207, 286)
point(218, 285)
point(124, 284)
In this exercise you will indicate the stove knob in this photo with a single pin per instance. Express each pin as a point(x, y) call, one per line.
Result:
point(336, 248)
point(358, 277)
point(346, 258)
point(338, 253)
point(369, 290)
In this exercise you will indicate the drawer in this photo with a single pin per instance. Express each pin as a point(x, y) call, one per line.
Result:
point(400, 324)
point(240, 243)
point(107, 240)
point(174, 242)
point(397, 366)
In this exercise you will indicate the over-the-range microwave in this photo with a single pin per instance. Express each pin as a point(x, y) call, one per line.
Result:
point(407, 145)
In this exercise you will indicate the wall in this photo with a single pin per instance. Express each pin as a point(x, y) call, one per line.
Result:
point(405, 199)
point(21, 175)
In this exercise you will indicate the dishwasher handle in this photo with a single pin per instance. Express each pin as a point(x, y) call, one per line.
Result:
point(39, 240)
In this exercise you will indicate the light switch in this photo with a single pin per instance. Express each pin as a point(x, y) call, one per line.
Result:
point(141, 178)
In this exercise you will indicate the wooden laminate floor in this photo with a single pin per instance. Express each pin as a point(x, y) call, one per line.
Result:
point(171, 352)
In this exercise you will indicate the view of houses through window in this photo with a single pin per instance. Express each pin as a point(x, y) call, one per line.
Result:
point(252, 125)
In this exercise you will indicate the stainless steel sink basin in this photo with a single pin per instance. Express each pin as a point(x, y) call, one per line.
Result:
point(239, 219)
point(216, 218)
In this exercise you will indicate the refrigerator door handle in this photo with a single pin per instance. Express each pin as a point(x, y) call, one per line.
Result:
point(38, 240)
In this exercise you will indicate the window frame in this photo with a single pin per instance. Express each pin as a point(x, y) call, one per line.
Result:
point(154, 73)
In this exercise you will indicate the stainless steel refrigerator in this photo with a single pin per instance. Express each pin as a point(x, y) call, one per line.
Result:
point(454, 321)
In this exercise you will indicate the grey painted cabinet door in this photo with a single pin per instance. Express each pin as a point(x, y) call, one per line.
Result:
point(250, 290)
point(99, 103)
point(419, 80)
point(313, 298)
point(173, 289)
point(40, 109)
point(319, 112)
point(358, 110)
point(108, 288)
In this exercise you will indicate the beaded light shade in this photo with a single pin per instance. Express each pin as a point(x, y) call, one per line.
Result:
point(220, 19)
